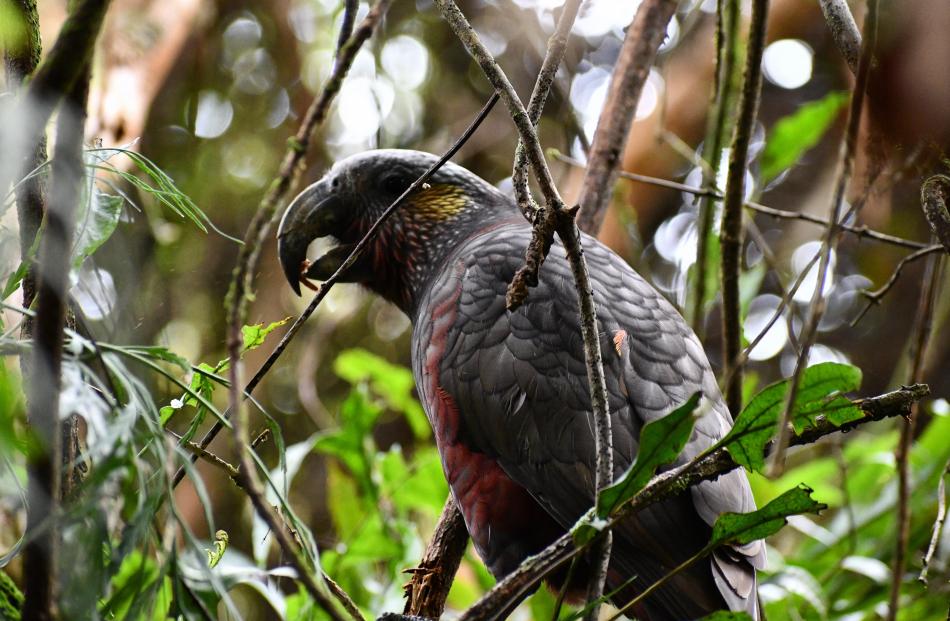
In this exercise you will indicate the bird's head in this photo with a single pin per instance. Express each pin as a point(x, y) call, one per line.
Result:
point(345, 203)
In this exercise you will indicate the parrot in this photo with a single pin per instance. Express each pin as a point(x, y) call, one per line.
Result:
point(506, 391)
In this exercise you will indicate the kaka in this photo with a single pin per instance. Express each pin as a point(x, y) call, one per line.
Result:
point(507, 393)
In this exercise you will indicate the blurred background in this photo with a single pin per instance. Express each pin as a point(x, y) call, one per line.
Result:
point(211, 91)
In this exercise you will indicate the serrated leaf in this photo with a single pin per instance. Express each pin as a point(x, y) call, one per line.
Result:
point(743, 528)
point(794, 134)
point(819, 393)
point(661, 441)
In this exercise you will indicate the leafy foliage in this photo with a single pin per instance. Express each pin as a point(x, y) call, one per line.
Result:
point(743, 528)
point(798, 132)
point(661, 441)
point(820, 392)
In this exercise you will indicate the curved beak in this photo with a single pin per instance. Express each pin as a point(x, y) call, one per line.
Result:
point(315, 213)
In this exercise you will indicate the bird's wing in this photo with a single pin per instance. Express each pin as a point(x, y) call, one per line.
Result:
point(519, 382)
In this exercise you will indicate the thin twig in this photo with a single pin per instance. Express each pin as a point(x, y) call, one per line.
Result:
point(875, 297)
point(350, 8)
point(557, 45)
point(640, 47)
point(844, 30)
point(920, 336)
point(862, 232)
point(205, 454)
point(290, 170)
point(730, 233)
point(519, 583)
point(846, 164)
point(938, 525)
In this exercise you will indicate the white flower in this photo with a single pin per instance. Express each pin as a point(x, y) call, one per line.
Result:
point(177, 404)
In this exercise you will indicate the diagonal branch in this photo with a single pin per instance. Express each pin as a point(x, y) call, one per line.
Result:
point(557, 45)
point(431, 580)
point(640, 47)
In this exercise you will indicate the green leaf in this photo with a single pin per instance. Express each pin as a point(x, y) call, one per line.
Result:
point(161, 353)
point(391, 382)
point(796, 133)
point(253, 336)
point(95, 223)
point(741, 528)
point(162, 187)
point(819, 393)
point(14, 280)
point(660, 443)
point(419, 485)
point(358, 414)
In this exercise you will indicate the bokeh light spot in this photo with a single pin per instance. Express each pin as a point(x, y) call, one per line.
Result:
point(213, 116)
point(788, 63)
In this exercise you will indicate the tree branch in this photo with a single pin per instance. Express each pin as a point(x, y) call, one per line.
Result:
point(844, 30)
point(862, 232)
point(557, 45)
point(520, 582)
point(846, 164)
point(640, 47)
point(730, 235)
point(432, 578)
point(728, 13)
point(875, 297)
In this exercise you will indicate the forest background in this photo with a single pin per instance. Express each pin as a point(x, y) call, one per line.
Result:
point(190, 109)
